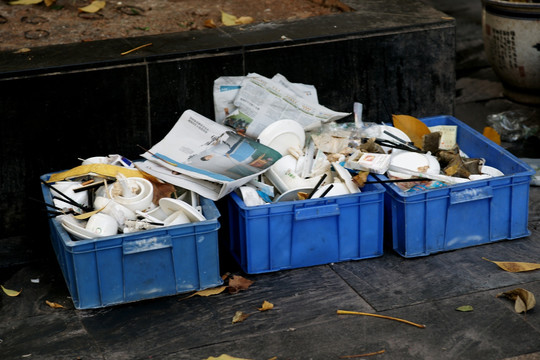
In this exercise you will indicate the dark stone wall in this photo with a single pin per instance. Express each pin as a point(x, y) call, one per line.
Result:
point(61, 103)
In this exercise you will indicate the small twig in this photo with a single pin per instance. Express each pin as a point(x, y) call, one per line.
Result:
point(345, 312)
point(135, 49)
point(362, 355)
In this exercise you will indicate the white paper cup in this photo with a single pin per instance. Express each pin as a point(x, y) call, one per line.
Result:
point(102, 224)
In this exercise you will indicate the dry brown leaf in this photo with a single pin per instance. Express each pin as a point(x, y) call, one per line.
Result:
point(524, 299)
point(515, 266)
point(413, 127)
point(239, 316)
point(360, 178)
point(266, 306)
point(54, 305)
point(492, 135)
point(206, 292)
point(49, 2)
point(237, 283)
point(94, 6)
point(209, 23)
point(9, 292)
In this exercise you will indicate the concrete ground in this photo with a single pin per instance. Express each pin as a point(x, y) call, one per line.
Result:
point(304, 324)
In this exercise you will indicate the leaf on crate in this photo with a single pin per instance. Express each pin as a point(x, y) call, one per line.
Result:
point(228, 19)
point(492, 135)
point(524, 299)
point(225, 357)
point(238, 283)
point(361, 178)
point(465, 308)
point(94, 6)
point(9, 292)
point(239, 316)
point(515, 266)
point(266, 306)
point(25, 2)
point(54, 305)
point(413, 127)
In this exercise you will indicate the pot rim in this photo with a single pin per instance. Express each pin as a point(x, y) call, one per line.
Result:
point(512, 5)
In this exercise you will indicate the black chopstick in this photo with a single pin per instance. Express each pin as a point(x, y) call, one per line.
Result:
point(401, 140)
point(327, 190)
point(317, 186)
point(68, 199)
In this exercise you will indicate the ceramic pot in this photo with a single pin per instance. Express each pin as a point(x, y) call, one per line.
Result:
point(511, 33)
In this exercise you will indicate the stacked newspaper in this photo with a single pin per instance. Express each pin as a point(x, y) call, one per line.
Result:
point(250, 103)
point(208, 158)
point(215, 158)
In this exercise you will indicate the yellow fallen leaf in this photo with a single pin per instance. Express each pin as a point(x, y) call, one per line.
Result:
point(207, 292)
point(225, 357)
point(514, 266)
point(209, 23)
point(239, 316)
point(228, 19)
point(10, 292)
point(49, 2)
point(54, 305)
point(242, 20)
point(22, 50)
point(266, 306)
point(492, 135)
point(413, 127)
point(524, 299)
point(212, 291)
point(25, 2)
point(94, 6)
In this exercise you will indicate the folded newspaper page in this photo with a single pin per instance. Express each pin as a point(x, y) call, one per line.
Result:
point(227, 87)
point(261, 101)
point(210, 159)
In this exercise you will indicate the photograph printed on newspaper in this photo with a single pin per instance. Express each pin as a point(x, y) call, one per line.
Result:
point(206, 157)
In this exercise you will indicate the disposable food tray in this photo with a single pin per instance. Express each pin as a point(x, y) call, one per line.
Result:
point(468, 214)
point(294, 234)
point(142, 265)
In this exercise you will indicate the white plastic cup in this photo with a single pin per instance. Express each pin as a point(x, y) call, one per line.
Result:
point(102, 225)
point(177, 218)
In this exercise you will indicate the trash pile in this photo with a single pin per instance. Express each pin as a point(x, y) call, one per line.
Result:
point(271, 142)
point(337, 158)
point(108, 195)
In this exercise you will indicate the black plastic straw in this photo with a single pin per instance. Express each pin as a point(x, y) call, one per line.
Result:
point(317, 186)
point(68, 199)
point(327, 190)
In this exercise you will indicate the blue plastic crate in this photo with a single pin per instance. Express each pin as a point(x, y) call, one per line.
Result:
point(462, 215)
point(295, 234)
point(142, 265)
